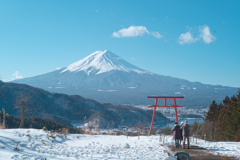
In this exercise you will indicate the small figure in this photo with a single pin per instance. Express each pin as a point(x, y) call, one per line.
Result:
point(176, 134)
point(186, 134)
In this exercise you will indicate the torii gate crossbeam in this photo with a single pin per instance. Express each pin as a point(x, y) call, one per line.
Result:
point(165, 105)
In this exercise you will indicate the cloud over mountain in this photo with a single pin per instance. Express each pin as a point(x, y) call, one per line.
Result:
point(134, 31)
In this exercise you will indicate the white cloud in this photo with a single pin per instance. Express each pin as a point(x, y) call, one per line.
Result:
point(16, 75)
point(156, 34)
point(134, 31)
point(131, 31)
point(206, 35)
point(186, 38)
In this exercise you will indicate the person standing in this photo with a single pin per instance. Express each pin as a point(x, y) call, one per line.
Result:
point(176, 134)
point(186, 134)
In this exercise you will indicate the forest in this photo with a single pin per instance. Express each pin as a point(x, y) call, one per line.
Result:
point(9, 121)
point(222, 121)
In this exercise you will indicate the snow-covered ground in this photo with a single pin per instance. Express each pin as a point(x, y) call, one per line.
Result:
point(36, 144)
point(225, 148)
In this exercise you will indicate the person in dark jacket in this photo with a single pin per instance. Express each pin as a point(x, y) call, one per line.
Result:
point(176, 134)
point(181, 132)
point(186, 134)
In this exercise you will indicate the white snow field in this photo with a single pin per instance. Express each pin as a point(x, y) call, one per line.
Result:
point(34, 144)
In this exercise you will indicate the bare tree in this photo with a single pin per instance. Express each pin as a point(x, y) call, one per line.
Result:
point(3, 124)
point(0, 120)
point(209, 128)
point(22, 114)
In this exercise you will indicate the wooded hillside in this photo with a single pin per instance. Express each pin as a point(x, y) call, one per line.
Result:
point(222, 121)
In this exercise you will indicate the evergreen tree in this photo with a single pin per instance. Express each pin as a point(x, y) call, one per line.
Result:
point(219, 119)
point(226, 101)
point(229, 124)
point(211, 114)
point(222, 122)
point(236, 116)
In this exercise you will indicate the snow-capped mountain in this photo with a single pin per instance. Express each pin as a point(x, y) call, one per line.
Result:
point(107, 78)
point(100, 62)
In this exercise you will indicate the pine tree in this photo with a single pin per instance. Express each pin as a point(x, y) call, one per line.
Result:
point(222, 119)
point(219, 120)
point(235, 118)
point(211, 114)
point(229, 124)
point(226, 101)
point(236, 115)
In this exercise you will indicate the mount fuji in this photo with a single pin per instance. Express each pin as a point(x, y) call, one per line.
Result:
point(108, 78)
point(100, 62)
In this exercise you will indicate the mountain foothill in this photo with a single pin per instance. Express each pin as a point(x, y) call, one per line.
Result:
point(70, 109)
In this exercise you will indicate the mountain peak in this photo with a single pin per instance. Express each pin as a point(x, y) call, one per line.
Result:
point(100, 62)
point(101, 53)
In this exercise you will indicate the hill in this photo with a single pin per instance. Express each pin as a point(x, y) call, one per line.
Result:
point(36, 123)
point(72, 109)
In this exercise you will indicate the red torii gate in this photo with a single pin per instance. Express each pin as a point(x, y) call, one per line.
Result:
point(165, 105)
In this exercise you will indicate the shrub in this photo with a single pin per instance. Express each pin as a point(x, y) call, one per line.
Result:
point(44, 128)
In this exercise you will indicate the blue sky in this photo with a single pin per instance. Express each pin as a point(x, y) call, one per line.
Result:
point(192, 40)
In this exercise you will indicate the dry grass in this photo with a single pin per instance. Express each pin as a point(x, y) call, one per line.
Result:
point(198, 153)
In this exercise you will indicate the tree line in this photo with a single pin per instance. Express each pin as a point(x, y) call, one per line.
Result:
point(34, 122)
point(222, 121)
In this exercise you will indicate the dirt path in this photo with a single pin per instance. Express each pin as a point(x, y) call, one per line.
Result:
point(198, 153)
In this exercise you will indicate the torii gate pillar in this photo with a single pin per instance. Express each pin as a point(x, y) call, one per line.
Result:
point(165, 105)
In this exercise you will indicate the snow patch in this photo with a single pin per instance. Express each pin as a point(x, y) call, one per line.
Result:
point(106, 90)
point(131, 87)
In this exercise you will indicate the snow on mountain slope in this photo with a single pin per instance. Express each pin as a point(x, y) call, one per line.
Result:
point(100, 62)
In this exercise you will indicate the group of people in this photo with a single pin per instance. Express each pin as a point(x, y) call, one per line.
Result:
point(181, 133)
